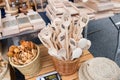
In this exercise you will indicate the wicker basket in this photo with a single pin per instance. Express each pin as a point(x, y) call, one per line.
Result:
point(2, 75)
point(65, 67)
point(30, 69)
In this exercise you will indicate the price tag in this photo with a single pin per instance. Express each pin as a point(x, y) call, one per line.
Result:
point(50, 76)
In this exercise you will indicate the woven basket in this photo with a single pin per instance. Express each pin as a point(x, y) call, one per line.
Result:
point(2, 75)
point(65, 67)
point(30, 69)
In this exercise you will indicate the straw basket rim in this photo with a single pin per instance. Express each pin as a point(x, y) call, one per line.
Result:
point(20, 66)
point(66, 61)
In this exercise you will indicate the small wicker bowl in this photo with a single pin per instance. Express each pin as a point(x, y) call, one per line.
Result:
point(32, 68)
point(66, 67)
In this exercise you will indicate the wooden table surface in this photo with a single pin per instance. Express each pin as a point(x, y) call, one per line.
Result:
point(47, 64)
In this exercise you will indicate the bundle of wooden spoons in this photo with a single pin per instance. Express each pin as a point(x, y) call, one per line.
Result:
point(63, 37)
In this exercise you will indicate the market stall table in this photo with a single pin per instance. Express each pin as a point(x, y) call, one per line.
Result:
point(47, 64)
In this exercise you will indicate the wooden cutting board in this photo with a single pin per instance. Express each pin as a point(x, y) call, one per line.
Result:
point(47, 64)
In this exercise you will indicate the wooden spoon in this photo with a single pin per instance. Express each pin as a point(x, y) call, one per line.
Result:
point(46, 35)
point(84, 20)
point(53, 52)
point(82, 43)
point(88, 45)
point(73, 44)
point(61, 39)
point(58, 23)
point(43, 41)
point(66, 23)
point(76, 53)
point(62, 53)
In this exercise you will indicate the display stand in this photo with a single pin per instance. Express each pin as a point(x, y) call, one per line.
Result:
point(117, 52)
point(47, 64)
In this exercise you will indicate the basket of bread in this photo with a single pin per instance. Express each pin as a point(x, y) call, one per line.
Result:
point(25, 57)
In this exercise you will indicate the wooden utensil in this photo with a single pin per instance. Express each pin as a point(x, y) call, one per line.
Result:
point(78, 30)
point(76, 53)
point(58, 23)
point(43, 41)
point(88, 45)
point(53, 52)
point(55, 41)
point(72, 43)
point(61, 39)
point(66, 23)
point(46, 35)
point(55, 33)
point(82, 43)
point(62, 53)
point(54, 28)
point(84, 20)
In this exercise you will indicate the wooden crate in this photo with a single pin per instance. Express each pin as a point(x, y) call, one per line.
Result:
point(47, 64)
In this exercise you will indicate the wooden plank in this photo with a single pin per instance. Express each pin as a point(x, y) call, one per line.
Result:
point(47, 64)
point(71, 77)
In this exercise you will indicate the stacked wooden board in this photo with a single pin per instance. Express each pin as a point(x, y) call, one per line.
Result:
point(36, 20)
point(96, 14)
point(99, 5)
point(11, 25)
point(56, 8)
point(116, 8)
